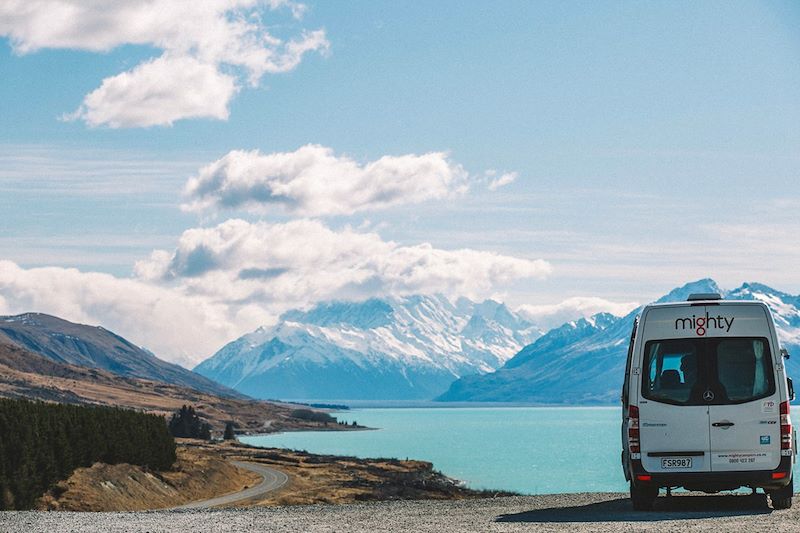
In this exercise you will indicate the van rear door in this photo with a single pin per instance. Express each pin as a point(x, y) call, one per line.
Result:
point(673, 422)
point(745, 416)
point(710, 388)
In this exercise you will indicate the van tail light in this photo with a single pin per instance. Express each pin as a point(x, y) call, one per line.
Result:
point(633, 429)
point(786, 427)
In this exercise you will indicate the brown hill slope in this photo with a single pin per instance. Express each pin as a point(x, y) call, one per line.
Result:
point(202, 471)
point(96, 347)
point(198, 474)
point(24, 374)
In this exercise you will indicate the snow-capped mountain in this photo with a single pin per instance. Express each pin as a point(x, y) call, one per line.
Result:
point(584, 361)
point(393, 348)
point(785, 310)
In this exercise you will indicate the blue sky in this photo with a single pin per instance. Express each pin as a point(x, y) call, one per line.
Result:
point(652, 144)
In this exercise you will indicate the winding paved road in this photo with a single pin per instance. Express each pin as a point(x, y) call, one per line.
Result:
point(272, 480)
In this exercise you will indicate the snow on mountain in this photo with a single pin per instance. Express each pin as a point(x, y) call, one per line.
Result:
point(393, 348)
point(583, 361)
point(785, 310)
point(680, 294)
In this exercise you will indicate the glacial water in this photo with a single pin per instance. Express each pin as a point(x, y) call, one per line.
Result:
point(532, 450)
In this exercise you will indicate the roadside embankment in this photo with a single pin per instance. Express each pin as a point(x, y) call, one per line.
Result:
point(205, 470)
point(198, 474)
point(335, 479)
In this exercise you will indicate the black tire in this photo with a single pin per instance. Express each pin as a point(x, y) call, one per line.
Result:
point(781, 503)
point(643, 498)
point(782, 498)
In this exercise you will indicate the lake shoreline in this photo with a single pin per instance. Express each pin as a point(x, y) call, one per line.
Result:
point(522, 449)
point(421, 404)
point(207, 470)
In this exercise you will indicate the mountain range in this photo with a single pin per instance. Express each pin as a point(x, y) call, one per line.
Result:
point(392, 348)
point(49, 359)
point(95, 347)
point(398, 348)
point(583, 361)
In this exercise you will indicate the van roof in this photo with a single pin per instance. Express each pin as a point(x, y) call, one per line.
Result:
point(698, 303)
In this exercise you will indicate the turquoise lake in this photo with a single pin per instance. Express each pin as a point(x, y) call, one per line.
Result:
point(532, 450)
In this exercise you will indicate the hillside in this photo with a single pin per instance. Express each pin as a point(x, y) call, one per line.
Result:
point(203, 470)
point(198, 474)
point(583, 361)
point(24, 374)
point(393, 348)
point(95, 347)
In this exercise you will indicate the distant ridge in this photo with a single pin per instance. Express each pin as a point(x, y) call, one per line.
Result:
point(27, 375)
point(583, 361)
point(398, 348)
point(95, 347)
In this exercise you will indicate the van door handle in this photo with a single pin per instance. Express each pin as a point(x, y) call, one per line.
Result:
point(722, 424)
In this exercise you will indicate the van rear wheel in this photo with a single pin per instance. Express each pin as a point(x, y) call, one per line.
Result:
point(781, 503)
point(643, 498)
point(782, 498)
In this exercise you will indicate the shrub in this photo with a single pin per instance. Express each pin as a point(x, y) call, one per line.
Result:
point(313, 416)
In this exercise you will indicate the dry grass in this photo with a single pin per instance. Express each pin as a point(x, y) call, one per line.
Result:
point(198, 474)
point(334, 480)
point(203, 471)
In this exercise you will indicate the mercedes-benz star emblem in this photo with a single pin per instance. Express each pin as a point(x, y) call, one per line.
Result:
point(708, 395)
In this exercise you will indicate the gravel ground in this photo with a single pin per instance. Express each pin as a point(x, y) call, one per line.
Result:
point(574, 512)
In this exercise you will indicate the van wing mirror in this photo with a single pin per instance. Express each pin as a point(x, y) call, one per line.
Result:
point(785, 353)
point(791, 389)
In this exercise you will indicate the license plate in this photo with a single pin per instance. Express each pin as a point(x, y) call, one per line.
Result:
point(676, 462)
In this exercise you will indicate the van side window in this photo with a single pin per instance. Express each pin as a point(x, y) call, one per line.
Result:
point(628, 364)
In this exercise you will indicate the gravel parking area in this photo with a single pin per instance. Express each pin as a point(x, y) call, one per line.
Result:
point(574, 512)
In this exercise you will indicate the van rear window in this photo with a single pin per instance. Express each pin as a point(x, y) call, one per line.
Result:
point(684, 371)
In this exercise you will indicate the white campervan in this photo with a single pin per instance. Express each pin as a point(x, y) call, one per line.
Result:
point(706, 401)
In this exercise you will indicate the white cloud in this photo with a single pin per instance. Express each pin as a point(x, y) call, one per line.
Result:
point(59, 171)
point(314, 181)
point(207, 48)
point(768, 238)
point(224, 281)
point(154, 93)
point(303, 261)
point(553, 315)
point(502, 180)
point(179, 327)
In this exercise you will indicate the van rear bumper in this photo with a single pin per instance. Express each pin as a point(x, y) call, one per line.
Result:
point(715, 481)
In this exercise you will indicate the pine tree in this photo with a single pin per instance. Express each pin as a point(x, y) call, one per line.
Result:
point(229, 432)
point(42, 443)
point(186, 424)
